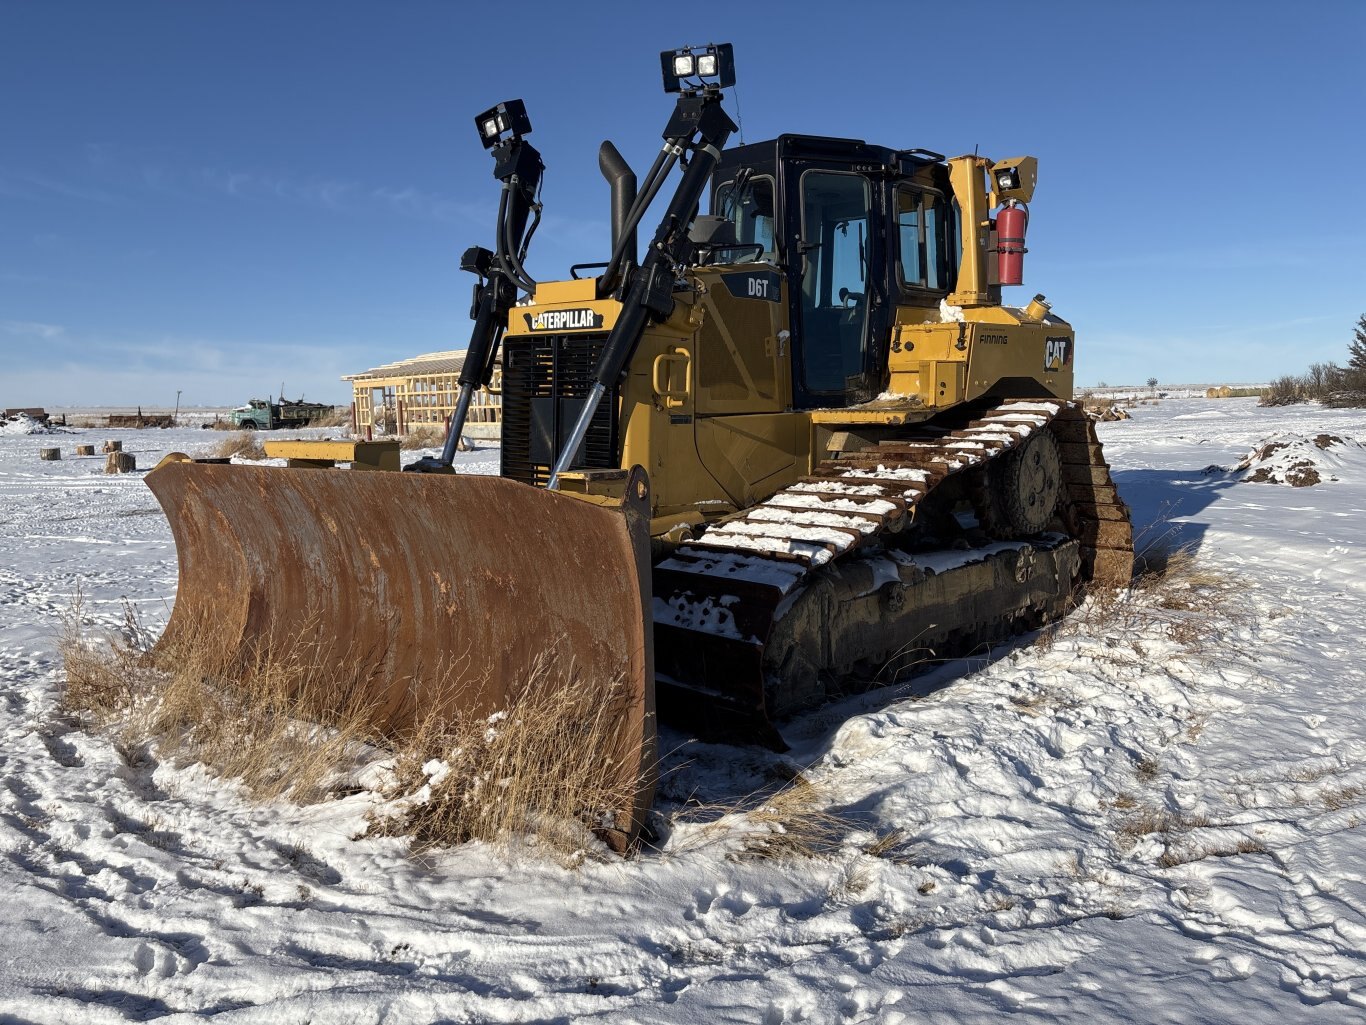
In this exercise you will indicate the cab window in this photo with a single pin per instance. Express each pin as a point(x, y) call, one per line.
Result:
point(750, 209)
point(923, 233)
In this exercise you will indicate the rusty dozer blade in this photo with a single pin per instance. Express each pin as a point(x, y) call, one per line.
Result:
point(424, 590)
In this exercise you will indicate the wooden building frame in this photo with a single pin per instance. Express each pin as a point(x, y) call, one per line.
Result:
point(397, 397)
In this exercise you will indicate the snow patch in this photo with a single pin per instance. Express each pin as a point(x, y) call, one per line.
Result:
point(23, 424)
point(1303, 462)
point(949, 314)
point(767, 572)
point(708, 615)
point(1204, 414)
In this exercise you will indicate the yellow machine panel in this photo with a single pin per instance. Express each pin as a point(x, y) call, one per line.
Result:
point(563, 306)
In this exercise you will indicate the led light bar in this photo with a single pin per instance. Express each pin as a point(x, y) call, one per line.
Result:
point(690, 68)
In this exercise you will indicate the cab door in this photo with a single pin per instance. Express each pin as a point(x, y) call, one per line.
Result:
point(834, 256)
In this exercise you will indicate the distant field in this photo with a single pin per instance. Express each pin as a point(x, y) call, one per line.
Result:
point(208, 412)
point(93, 416)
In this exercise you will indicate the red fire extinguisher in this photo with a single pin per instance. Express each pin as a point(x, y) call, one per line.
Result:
point(1011, 223)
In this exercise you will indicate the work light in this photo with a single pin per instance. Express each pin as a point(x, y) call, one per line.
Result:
point(1007, 178)
point(712, 66)
point(508, 119)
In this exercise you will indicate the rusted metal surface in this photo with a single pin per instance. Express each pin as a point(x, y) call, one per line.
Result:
point(428, 591)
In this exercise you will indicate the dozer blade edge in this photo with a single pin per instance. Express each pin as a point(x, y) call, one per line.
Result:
point(424, 591)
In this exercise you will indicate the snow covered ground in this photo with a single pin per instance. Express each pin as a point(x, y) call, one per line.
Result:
point(1060, 829)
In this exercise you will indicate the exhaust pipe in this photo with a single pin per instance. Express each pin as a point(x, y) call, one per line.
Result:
point(623, 183)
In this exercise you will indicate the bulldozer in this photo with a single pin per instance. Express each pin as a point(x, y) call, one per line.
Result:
point(799, 444)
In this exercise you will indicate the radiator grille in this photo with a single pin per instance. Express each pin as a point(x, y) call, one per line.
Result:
point(545, 380)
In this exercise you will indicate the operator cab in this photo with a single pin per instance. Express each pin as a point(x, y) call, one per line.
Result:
point(858, 230)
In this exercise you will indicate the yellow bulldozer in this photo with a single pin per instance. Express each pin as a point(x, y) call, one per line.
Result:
point(798, 445)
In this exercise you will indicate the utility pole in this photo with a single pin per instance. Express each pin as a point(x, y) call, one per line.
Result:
point(176, 418)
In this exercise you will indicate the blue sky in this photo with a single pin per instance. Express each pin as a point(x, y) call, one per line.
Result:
point(217, 198)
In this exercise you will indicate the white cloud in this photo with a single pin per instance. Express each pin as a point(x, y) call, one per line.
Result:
point(329, 193)
point(413, 202)
point(33, 186)
point(31, 328)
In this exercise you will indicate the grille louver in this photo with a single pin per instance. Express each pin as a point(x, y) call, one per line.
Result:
point(545, 380)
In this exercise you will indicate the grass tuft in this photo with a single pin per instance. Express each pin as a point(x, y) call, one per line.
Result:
point(423, 436)
point(1344, 797)
point(1185, 838)
point(1185, 855)
point(888, 844)
point(242, 444)
point(1147, 769)
point(339, 417)
point(546, 767)
point(794, 823)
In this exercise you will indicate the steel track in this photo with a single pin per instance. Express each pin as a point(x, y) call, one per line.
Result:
point(720, 601)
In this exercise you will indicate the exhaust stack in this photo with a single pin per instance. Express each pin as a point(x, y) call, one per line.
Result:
point(623, 183)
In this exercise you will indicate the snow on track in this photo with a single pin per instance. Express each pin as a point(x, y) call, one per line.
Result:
point(1013, 798)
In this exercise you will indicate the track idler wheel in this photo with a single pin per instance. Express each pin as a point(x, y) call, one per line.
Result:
point(1024, 488)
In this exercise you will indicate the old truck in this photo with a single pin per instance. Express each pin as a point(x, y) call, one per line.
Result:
point(267, 414)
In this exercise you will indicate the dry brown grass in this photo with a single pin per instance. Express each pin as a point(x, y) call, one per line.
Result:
point(423, 436)
point(1189, 853)
point(339, 417)
point(791, 822)
point(243, 444)
point(1336, 800)
point(795, 823)
point(1181, 589)
point(888, 844)
point(429, 436)
point(280, 726)
point(1173, 593)
point(1147, 769)
point(1148, 820)
point(543, 768)
point(1181, 837)
point(1313, 773)
point(547, 766)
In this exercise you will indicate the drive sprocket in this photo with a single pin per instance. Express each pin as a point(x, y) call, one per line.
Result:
point(1023, 488)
